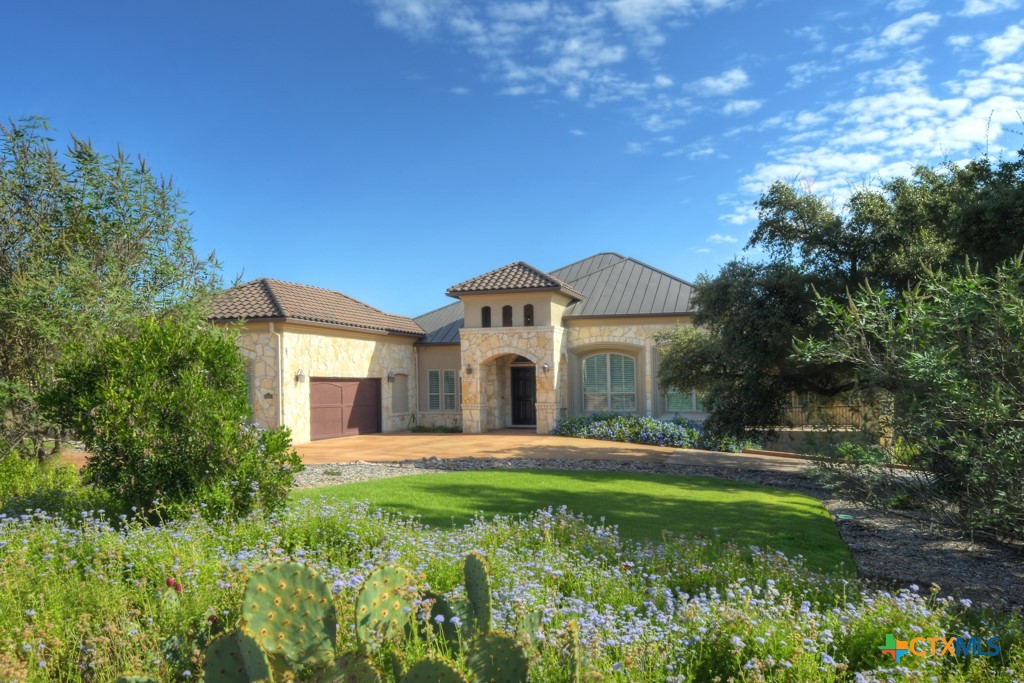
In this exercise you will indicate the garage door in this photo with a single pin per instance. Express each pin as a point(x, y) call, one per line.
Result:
point(343, 407)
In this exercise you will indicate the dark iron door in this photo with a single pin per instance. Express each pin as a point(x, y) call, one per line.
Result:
point(524, 396)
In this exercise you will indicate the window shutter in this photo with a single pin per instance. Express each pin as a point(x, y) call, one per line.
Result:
point(449, 390)
point(434, 390)
point(595, 383)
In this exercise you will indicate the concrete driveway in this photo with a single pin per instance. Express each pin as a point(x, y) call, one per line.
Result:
point(527, 445)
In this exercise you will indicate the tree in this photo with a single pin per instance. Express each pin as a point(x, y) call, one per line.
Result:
point(890, 236)
point(87, 244)
point(947, 358)
point(164, 409)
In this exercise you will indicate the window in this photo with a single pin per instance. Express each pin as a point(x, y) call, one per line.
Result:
point(683, 402)
point(441, 390)
point(528, 315)
point(400, 394)
point(609, 383)
point(506, 316)
point(485, 316)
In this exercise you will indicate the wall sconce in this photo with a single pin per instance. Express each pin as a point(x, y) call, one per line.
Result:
point(469, 369)
point(268, 396)
point(300, 376)
point(545, 368)
point(391, 376)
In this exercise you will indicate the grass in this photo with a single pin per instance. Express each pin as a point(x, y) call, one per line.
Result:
point(641, 505)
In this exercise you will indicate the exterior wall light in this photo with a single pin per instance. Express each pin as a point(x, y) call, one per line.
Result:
point(300, 376)
point(545, 368)
point(469, 369)
point(391, 376)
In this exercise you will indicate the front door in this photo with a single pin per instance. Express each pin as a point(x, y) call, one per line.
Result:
point(524, 397)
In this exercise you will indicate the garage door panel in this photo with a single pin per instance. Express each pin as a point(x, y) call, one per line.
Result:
point(341, 407)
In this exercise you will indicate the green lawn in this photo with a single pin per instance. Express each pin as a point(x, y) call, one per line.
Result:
point(641, 504)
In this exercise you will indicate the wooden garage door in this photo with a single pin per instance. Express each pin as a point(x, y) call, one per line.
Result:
point(343, 407)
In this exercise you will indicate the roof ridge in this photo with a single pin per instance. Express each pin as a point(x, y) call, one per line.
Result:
point(435, 310)
point(329, 291)
point(265, 284)
point(587, 258)
point(669, 275)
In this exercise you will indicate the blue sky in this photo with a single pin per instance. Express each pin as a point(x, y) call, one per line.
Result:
point(391, 148)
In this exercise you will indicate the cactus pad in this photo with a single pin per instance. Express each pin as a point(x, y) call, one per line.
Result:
point(432, 670)
point(353, 668)
point(498, 658)
point(478, 590)
point(384, 605)
point(529, 627)
point(575, 665)
point(289, 611)
point(234, 657)
point(446, 628)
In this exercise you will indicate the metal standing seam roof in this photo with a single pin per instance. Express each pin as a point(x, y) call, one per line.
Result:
point(611, 285)
point(276, 301)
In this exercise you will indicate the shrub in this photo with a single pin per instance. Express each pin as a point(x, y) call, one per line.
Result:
point(163, 410)
point(678, 433)
point(942, 364)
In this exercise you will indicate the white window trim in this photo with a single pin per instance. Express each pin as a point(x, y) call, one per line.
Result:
point(441, 394)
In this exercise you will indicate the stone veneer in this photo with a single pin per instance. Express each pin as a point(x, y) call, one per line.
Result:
point(344, 355)
point(485, 392)
point(260, 352)
point(585, 336)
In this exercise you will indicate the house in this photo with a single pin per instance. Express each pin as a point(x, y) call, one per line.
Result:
point(519, 348)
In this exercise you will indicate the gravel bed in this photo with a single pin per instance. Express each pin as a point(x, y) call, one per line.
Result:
point(889, 550)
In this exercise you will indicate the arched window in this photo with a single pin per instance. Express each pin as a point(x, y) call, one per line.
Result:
point(485, 316)
point(506, 316)
point(609, 383)
point(528, 315)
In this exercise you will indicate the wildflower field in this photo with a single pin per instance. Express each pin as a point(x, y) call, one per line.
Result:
point(677, 433)
point(91, 599)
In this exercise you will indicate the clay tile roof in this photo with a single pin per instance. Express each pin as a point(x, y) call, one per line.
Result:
point(515, 277)
point(273, 300)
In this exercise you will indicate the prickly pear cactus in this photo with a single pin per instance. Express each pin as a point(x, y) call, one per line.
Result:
point(234, 657)
point(498, 658)
point(442, 615)
point(432, 670)
point(529, 627)
point(398, 665)
point(289, 611)
point(353, 668)
point(384, 605)
point(478, 590)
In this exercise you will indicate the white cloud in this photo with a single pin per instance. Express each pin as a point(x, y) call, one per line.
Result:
point(662, 81)
point(1002, 46)
point(803, 73)
point(907, 5)
point(973, 8)
point(741, 107)
point(636, 147)
point(577, 132)
point(459, 90)
point(725, 83)
point(702, 250)
point(959, 42)
point(701, 153)
point(721, 239)
point(902, 33)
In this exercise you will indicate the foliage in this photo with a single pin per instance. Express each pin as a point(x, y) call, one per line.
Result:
point(659, 505)
point(86, 245)
point(890, 236)
point(163, 411)
point(678, 433)
point(27, 484)
point(88, 602)
point(436, 429)
point(946, 360)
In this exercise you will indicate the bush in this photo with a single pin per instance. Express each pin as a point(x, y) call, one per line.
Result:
point(28, 484)
point(678, 433)
point(163, 410)
point(942, 365)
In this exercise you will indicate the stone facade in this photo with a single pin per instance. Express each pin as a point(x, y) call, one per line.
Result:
point(325, 353)
point(486, 394)
point(260, 352)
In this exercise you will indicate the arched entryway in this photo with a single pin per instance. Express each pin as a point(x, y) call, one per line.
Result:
point(523, 381)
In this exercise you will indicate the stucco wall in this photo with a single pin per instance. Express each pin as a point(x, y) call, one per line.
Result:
point(441, 357)
point(321, 352)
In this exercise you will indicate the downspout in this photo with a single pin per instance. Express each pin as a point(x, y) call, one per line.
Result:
point(416, 394)
point(280, 375)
